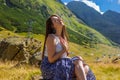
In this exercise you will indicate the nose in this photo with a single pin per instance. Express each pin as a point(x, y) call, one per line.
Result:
point(60, 20)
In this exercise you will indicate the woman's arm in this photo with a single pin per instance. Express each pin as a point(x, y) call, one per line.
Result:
point(51, 47)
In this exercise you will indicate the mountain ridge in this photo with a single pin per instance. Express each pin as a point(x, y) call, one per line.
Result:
point(94, 19)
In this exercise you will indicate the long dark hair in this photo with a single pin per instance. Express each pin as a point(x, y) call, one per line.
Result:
point(50, 30)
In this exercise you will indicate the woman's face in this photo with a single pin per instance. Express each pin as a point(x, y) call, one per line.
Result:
point(57, 22)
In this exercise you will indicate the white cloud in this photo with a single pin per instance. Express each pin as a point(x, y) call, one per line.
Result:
point(65, 3)
point(92, 4)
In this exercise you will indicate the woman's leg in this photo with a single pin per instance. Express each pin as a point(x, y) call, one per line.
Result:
point(79, 70)
point(86, 68)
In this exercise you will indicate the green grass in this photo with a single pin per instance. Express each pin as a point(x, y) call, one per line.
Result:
point(83, 50)
point(6, 33)
point(16, 19)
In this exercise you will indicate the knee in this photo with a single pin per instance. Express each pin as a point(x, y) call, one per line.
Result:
point(86, 69)
point(80, 58)
point(78, 62)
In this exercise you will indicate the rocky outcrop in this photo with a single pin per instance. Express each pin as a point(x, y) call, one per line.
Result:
point(116, 60)
point(20, 49)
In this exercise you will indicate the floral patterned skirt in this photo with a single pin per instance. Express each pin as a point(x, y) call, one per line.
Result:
point(62, 69)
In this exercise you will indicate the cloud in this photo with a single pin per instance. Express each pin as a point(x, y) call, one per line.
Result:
point(92, 4)
point(65, 3)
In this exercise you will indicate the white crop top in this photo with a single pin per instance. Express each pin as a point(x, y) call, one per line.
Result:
point(58, 47)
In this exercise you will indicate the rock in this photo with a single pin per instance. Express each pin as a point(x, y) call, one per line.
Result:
point(20, 49)
point(116, 60)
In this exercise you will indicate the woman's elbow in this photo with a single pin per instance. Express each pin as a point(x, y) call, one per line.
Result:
point(51, 60)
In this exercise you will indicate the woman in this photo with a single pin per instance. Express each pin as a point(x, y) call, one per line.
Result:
point(55, 64)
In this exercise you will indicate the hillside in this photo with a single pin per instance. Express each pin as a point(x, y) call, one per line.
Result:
point(107, 24)
point(18, 16)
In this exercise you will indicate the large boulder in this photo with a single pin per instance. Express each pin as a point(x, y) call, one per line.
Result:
point(19, 48)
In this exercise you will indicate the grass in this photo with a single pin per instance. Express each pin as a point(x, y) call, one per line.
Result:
point(6, 33)
point(90, 54)
point(106, 71)
point(85, 51)
point(102, 71)
point(25, 72)
point(8, 72)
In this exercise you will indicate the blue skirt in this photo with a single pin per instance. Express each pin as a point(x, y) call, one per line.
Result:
point(62, 69)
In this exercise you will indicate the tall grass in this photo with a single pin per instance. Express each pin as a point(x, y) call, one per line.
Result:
point(24, 72)
point(106, 71)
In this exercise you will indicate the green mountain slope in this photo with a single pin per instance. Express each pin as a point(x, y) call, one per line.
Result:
point(16, 15)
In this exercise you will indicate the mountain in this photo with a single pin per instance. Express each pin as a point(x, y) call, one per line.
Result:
point(107, 23)
point(112, 16)
point(82, 11)
point(20, 15)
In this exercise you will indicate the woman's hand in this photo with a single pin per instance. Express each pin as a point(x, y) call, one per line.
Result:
point(64, 46)
point(64, 43)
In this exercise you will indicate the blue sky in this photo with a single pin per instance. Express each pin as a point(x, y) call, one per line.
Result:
point(101, 5)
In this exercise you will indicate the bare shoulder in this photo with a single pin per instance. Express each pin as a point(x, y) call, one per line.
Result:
point(50, 38)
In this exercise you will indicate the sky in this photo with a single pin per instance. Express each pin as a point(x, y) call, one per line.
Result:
point(100, 5)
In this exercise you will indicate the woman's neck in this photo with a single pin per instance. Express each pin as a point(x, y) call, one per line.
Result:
point(58, 33)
